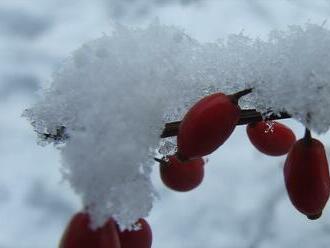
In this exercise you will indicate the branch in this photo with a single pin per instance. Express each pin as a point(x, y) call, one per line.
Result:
point(247, 116)
point(58, 136)
point(171, 129)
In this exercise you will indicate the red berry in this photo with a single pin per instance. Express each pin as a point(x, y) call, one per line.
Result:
point(307, 178)
point(182, 176)
point(207, 125)
point(141, 238)
point(271, 137)
point(79, 234)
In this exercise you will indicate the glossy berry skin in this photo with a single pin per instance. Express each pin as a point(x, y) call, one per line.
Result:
point(271, 138)
point(79, 234)
point(306, 176)
point(137, 239)
point(207, 125)
point(182, 176)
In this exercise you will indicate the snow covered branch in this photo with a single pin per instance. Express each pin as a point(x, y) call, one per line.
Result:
point(247, 116)
point(115, 93)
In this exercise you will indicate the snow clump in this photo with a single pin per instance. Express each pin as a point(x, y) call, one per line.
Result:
point(114, 94)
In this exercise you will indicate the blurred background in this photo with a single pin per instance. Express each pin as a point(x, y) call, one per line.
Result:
point(242, 201)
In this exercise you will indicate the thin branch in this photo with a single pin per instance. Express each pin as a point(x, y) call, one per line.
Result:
point(247, 116)
point(59, 136)
point(307, 136)
point(241, 93)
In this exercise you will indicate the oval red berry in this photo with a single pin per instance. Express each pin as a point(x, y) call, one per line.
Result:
point(207, 125)
point(182, 176)
point(271, 137)
point(141, 238)
point(306, 176)
point(79, 234)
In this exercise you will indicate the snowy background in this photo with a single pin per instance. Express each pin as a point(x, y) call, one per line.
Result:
point(242, 201)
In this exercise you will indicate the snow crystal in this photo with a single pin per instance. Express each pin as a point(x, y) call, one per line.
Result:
point(111, 96)
point(114, 94)
point(167, 146)
point(291, 73)
point(270, 127)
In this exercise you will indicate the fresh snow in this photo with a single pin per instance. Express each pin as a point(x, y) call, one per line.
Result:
point(114, 94)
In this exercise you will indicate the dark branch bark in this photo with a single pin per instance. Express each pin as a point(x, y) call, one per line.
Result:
point(171, 129)
point(236, 96)
point(58, 136)
point(247, 116)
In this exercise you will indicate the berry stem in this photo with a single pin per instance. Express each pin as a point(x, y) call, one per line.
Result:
point(241, 93)
point(160, 161)
point(315, 216)
point(307, 136)
point(247, 116)
point(236, 96)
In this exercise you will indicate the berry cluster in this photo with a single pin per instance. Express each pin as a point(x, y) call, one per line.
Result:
point(210, 122)
point(79, 234)
point(204, 128)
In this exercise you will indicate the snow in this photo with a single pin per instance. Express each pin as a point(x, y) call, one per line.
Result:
point(103, 97)
point(114, 94)
point(231, 205)
point(292, 74)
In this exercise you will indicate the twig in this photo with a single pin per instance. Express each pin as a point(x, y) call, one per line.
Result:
point(59, 135)
point(241, 93)
point(247, 116)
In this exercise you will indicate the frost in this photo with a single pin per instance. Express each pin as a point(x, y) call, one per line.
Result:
point(167, 146)
point(270, 127)
point(114, 94)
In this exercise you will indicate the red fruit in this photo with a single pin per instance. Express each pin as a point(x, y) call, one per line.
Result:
point(141, 238)
point(207, 125)
point(307, 178)
point(79, 234)
point(182, 176)
point(271, 138)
